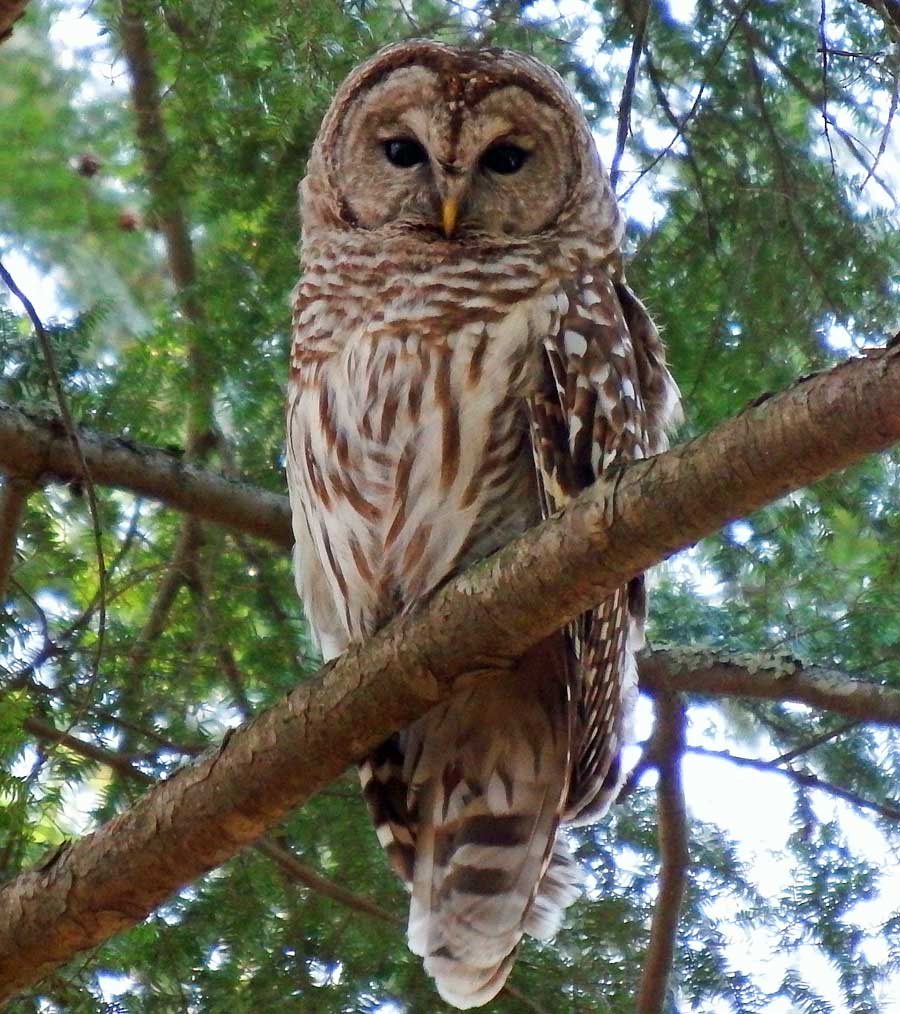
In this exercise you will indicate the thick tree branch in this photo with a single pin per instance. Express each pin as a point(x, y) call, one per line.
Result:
point(10, 12)
point(481, 620)
point(14, 493)
point(33, 446)
point(769, 677)
point(888, 9)
point(673, 851)
point(295, 869)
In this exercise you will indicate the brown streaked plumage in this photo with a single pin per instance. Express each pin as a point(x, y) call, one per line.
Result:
point(467, 357)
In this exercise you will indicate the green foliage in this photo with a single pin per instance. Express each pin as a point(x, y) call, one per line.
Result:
point(759, 252)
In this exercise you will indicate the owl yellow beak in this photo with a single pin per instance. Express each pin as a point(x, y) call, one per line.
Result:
point(449, 214)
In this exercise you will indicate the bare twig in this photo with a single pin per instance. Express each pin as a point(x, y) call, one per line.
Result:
point(673, 851)
point(886, 133)
point(823, 49)
point(854, 54)
point(695, 105)
point(625, 103)
point(805, 779)
point(816, 741)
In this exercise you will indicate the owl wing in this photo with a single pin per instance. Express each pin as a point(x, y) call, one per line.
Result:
point(605, 397)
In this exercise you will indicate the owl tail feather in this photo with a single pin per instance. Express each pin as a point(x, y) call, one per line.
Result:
point(489, 784)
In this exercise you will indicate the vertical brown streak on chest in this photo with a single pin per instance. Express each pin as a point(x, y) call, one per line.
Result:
point(401, 494)
point(315, 475)
point(497, 435)
point(335, 567)
point(326, 415)
point(345, 487)
point(449, 421)
point(416, 547)
point(389, 414)
point(359, 559)
point(343, 450)
point(414, 405)
point(476, 363)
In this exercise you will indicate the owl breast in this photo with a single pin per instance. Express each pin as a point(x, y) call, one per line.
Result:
point(410, 454)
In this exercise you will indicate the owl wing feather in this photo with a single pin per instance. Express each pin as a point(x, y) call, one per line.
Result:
point(605, 398)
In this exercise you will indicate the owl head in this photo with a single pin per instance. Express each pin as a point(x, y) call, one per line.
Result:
point(452, 145)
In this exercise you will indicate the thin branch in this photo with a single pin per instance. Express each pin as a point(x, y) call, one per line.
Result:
point(805, 779)
point(47, 732)
point(816, 741)
point(183, 570)
point(306, 875)
point(625, 103)
point(823, 49)
point(236, 682)
point(854, 55)
point(662, 99)
point(886, 133)
point(14, 495)
point(695, 105)
point(653, 990)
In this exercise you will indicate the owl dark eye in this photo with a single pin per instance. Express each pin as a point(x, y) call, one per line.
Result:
point(504, 159)
point(404, 152)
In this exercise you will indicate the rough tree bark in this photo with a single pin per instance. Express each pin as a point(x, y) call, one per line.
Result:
point(10, 12)
point(482, 620)
point(39, 448)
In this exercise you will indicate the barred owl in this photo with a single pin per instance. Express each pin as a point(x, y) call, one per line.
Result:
point(466, 358)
